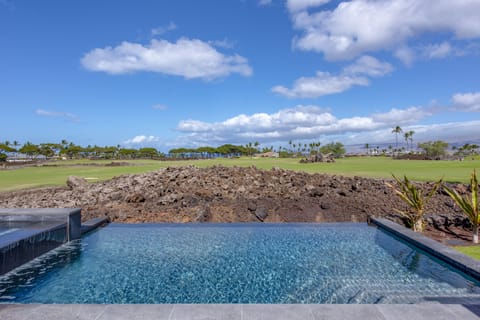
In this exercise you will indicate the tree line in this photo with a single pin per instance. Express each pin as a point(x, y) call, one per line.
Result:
point(70, 150)
point(64, 149)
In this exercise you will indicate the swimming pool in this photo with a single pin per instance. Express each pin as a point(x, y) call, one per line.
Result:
point(235, 263)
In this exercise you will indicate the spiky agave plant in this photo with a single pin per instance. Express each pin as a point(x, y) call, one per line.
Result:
point(414, 198)
point(469, 205)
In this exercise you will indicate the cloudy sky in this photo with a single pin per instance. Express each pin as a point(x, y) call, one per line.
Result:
point(191, 73)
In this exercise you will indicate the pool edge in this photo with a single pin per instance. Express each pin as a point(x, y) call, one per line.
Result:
point(242, 311)
point(454, 258)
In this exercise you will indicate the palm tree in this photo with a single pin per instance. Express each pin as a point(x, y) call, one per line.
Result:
point(249, 149)
point(410, 137)
point(15, 145)
point(397, 130)
point(469, 205)
point(256, 144)
point(367, 147)
point(406, 136)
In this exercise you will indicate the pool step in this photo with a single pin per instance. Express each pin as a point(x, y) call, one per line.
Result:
point(93, 224)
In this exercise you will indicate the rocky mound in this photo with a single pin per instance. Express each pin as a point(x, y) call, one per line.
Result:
point(221, 194)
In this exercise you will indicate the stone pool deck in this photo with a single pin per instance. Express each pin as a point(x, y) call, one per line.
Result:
point(430, 311)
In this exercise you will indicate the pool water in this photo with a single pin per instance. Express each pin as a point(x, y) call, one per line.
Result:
point(236, 263)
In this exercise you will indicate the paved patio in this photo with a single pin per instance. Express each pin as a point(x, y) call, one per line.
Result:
point(433, 311)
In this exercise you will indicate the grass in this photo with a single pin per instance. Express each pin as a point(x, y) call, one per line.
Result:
point(374, 167)
point(472, 251)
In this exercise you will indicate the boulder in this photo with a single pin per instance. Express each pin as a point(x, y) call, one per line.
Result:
point(74, 182)
point(261, 214)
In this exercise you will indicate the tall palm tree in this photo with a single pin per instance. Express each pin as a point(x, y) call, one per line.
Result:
point(410, 137)
point(367, 146)
point(406, 136)
point(16, 144)
point(397, 130)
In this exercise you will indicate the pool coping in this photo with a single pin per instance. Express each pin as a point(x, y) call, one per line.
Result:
point(430, 311)
point(440, 251)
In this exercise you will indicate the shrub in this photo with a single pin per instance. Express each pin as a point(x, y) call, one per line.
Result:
point(469, 205)
point(415, 200)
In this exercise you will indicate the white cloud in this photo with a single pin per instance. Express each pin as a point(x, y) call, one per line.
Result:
point(55, 114)
point(160, 107)
point(356, 27)
point(325, 83)
point(301, 122)
point(322, 84)
point(405, 54)
point(298, 5)
point(161, 30)
point(466, 101)
point(369, 66)
point(142, 139)
point(438, 51)
point(225, 43)
point(189, 58)
point(264, 2)
point(401, 116)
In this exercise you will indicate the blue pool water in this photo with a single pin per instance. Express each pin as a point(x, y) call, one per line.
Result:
point(249, 263)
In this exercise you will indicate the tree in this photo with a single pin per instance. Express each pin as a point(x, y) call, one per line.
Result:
point(148, 153)
point(415, 200)
point(396, 131)
point(469, 205)
point(4, 149)
point(434, 149)
point(466, 150)
point(71, 150)
point(335, 148)
point(410, 137)
point(406, 136)
point(30, 149)
point(367, 147)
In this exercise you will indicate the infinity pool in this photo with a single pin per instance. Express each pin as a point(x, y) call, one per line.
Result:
point(235, 263)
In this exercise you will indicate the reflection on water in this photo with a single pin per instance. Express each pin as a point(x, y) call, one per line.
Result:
point(422, 263)
point(36, 271)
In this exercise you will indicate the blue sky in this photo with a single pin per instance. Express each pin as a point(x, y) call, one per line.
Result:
point(191, 73)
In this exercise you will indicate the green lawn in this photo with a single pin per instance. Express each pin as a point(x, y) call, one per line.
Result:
point(472, 251)
point(376, 167)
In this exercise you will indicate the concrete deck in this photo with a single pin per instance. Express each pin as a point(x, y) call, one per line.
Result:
point(241, 312)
